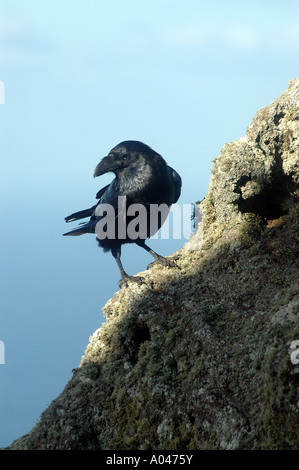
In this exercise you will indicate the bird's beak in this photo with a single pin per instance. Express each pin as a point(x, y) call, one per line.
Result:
point(102, 167)
point(110, 163)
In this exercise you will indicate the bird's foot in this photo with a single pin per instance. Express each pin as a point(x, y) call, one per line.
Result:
point(124, 282)
point(170, 263)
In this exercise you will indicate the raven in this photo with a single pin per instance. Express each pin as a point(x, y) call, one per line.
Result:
point(143, 183)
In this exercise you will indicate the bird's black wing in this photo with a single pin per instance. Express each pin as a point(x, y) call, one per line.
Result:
point(102, 191)
point(87, 227)
point(86, 212)
point(177, 183)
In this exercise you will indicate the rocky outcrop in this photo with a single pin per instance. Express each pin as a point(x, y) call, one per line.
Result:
point(258, 173)
point(199, 356)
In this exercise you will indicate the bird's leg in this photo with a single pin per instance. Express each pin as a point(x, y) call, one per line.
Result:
point(116, 252)
point(158, 258)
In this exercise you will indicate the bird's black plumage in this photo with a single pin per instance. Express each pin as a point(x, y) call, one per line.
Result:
point(141, 177)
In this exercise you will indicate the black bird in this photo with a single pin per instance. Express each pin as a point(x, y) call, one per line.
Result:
point(143, 182)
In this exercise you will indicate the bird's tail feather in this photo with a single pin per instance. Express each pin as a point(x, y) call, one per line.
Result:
point(89, 227)
point(80, 214)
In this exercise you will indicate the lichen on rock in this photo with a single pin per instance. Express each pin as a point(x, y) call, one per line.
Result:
point(198, 356)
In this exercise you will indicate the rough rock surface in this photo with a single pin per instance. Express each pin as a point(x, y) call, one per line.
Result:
point(199, 356)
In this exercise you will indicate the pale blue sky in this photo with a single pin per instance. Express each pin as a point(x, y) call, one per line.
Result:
point(185, 77)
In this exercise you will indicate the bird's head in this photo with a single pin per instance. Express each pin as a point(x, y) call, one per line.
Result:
point(123, 155)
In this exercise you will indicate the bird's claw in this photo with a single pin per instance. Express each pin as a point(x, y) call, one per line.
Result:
point(124, 282)
point(170, 263)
